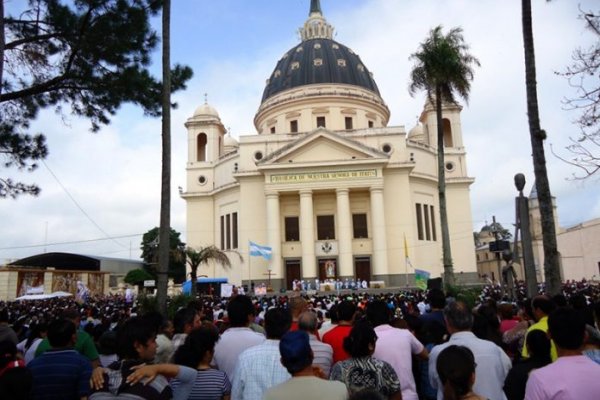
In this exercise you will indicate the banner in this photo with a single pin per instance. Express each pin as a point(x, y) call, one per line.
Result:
point(260, 251)
point(421, 278)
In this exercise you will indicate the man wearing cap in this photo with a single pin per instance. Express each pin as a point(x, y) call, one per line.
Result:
point(305, 384)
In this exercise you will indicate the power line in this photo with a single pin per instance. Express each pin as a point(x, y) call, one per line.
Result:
point(71, 242)
point(81, 208)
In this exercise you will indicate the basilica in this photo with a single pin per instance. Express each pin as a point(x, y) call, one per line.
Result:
point(324, 184)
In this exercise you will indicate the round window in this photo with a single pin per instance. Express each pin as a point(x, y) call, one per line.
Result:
point(258, 155)
point(202, 179)
point(450, 166)
point(386, 148)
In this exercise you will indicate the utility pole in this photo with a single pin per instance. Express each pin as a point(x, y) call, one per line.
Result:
point(522, 216)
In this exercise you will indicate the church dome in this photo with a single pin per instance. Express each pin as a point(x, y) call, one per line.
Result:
point(206, 110)
point(318, 60)
point(229, 141)
point(416, 133)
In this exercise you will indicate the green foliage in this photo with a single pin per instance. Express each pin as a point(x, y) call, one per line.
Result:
point(197, 257)
point(137, 276)
point(92, 56)
point(146, 303)
point(149, 249)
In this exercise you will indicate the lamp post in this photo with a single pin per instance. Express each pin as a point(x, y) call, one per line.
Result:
point(522, 225)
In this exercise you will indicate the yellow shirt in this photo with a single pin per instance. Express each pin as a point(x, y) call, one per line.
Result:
point(542, 325)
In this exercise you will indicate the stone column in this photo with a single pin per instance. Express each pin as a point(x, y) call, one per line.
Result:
point(378, 226)
point(307, 234)
point(344, 225)
point(273, 237)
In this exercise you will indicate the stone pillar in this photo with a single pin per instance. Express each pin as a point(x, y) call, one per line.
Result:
point(273, 236)
point(378, 225)
point(307, 234)
point(344, 225)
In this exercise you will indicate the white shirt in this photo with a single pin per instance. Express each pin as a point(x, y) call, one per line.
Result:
point(492, 365)
point(231, 344)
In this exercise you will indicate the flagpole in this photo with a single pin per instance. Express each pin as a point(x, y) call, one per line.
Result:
point(405, 261)
point(249, 272)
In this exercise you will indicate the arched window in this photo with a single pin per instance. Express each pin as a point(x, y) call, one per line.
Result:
point(201, 147)
point(447, 133)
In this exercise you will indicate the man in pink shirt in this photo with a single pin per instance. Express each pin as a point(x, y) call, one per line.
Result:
point(572, 375)
point(396, 346)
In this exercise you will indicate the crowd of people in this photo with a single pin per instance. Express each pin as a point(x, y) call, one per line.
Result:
point(358, 345)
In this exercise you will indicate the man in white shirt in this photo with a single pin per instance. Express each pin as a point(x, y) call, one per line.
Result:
point(492, 362)
point(259, 368)
point(322, 352)
point(238, 337)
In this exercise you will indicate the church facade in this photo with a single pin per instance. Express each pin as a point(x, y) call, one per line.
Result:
point(333, 190)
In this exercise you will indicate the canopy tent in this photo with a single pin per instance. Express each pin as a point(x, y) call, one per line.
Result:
point(186, 287)
point(44, 296)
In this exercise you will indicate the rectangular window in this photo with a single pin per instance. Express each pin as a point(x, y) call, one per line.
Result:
point(433, 234)
point(292, 229)
point(325, 227)
point(222, 232)
point(272, 129)
point(371, 124)
point(348, 121)
point(359, 224)
point(419, 222)
point(320, 122)
point(228, 231)
point(294, 126)
point(427, 226)
point(234, 230)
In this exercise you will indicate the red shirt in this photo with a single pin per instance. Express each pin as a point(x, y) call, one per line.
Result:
point(335, 338)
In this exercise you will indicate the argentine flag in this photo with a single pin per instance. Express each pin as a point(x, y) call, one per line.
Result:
point(260, 251)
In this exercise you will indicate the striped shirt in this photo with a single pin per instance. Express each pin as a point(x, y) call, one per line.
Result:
point(210, 384)
point(60, 375)
point(322, 352)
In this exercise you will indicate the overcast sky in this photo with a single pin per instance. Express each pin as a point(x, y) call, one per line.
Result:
point(106, 193)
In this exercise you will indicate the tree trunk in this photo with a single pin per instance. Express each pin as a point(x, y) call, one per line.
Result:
point(194, 278)
point(165, 193)
point(446, 249)
point(551, 261)
point(2, 43)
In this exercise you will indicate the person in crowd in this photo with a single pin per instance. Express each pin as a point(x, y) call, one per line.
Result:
point(61, 372)
point(486, 324)
point(542, 306)
point(107, 347)
point(297, 358)
point(508, 320)
point(430, 334)
point(591, 346)
point(514, 338)
point(259, 368)
point(238, 337)
point(572, 375)
point(367, 394)
point(362, 370)
point(15, 380)
point(322, 352)
point(335, 337)
point(37, 332)
point(297, 305)
point(437, 301)
point(166, 330)
point(6, 332)
point(329, 323)
point(396, 346)
point(136, 341)
point(538, 346)
point(185, 320)
point(492, 362)
point(455, 366)
point(84, 343)
point(197, 352)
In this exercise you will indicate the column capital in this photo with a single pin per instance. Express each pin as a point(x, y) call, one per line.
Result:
point(305, 192)
point(339, 191)
point(378, 188)
point(272, 194)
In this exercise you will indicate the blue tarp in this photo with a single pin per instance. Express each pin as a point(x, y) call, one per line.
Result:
point(186, 287)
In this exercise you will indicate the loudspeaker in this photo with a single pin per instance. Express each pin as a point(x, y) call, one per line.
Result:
point(435, 283)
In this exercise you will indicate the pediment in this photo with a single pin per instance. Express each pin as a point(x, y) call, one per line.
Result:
point(323, 146)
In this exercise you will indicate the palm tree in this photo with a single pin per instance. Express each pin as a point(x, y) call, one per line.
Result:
point(443, 68)
point(196, 257)
point(165, 193)
point(537, 136)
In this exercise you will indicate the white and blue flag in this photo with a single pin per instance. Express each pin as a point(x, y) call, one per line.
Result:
point(260, 251)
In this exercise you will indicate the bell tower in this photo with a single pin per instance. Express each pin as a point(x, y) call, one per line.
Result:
point(206, 135)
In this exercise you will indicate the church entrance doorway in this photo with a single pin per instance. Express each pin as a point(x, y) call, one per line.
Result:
point(292, 273)
point(362, 268)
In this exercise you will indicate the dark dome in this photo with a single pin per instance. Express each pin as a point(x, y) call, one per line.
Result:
point(318, 61)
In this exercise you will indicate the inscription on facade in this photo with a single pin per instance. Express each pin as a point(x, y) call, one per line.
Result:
point(323, 176)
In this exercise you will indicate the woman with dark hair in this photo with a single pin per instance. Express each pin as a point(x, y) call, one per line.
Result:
point(15, 379)
point(197, 352)
point(28, 346)
point(456, 368)
point(538, 346)
point(361, 370)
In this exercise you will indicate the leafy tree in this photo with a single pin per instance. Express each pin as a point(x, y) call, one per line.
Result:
point(176, 262)
point(205, 254)
point(137, 277)
point(443, 68)
point(537, 136)
point(89, 56)
point(583, 76)
point(165, 190)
